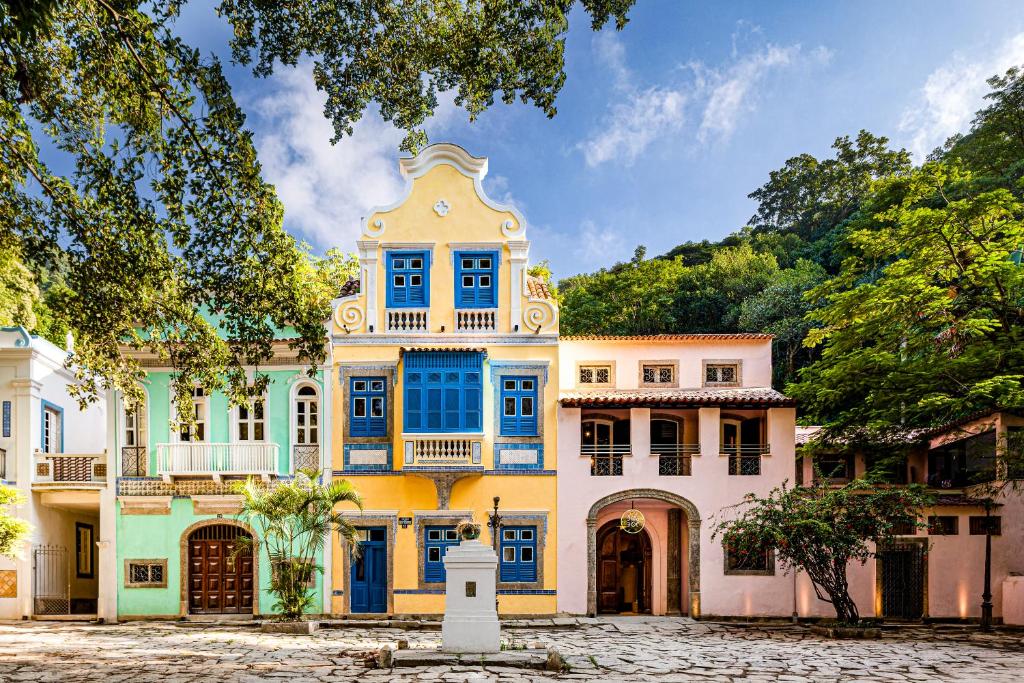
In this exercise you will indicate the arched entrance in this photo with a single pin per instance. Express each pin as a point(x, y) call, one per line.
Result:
point(679, 563)
point(219, 580)
point(623, 571)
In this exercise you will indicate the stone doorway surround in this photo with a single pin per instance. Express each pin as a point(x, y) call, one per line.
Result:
point(183, 556)
point(364, 519)
point(693, 551)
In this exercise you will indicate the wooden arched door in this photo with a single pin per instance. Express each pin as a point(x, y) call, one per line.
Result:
point(623, 570)
point(219, 582)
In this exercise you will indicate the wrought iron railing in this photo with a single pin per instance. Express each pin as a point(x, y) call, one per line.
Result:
point(674, 459)
point(134, 461)
point(745, 459)
point(605, 460)
point(305, 457)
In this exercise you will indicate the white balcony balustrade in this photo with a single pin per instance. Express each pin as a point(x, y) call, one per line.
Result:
point(443, 451)
point(476, 319)
point(70, 470)
point(406, 320)
point(216, 460)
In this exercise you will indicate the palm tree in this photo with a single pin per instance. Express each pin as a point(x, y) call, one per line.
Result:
point(293, 520)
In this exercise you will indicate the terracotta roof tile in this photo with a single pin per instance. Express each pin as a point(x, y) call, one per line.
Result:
point(753, 396)
point(805, 434)
point(350, 287)
point(537, 288)
point(669, 337)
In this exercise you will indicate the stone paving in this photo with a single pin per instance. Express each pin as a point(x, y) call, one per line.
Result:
point(613, 649)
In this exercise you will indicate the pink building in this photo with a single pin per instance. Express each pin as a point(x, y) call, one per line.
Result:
point(677, 427)
point(681, 427)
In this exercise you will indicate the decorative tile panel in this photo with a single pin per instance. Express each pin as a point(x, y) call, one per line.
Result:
point(8, 583)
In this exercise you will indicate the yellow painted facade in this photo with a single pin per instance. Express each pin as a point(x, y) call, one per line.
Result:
point(409, 480)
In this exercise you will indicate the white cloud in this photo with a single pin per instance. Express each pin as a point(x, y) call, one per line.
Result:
point(326, 189)
point(946, 103)
point(639, 116)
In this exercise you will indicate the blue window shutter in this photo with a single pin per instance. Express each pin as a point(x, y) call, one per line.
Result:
point(443, 391)
point(367, 409)
point(436, 541)
point(476, 279)
point(7, 419)
point(408, 278)
point(519, 396)
point(518, 559)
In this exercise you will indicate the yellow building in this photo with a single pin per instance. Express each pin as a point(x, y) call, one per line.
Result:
point(443, 395)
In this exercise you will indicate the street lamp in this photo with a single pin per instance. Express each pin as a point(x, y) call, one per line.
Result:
point(494, 522)
point(986, 595)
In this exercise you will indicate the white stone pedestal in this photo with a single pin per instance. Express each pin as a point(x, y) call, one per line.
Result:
point(470, 614)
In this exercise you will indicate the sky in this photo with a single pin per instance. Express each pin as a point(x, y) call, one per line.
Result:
point(663, 129)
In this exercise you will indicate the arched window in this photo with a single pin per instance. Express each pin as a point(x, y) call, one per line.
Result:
point(307, 416)
point(306, 429)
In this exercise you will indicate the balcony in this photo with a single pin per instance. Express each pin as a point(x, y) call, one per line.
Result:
point(745, 459)
point(476, 320)
point(305, 457)
point(216, 460)
point(134, 461)
point(605, 460)
point(407, 320)
point(70, 470)
point(674, 459)
point(443, 451)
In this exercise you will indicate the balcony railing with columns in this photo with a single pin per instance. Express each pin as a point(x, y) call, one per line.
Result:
point(216, 459)
point(70, 469)
point(476, 319)
point(406, 320)
point(674, 460)
point(434, 451)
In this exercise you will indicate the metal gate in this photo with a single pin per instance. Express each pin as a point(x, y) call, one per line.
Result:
point(902, 574)
point(51, 581)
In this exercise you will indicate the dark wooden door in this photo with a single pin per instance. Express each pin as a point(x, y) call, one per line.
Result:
point(903, 576)
point(617, 552)
point(219, 581)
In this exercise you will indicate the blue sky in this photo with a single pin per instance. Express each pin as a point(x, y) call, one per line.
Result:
point(663, 129)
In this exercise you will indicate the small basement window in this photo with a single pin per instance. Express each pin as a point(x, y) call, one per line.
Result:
point(658, 374)
point(145, 574)
point(722, 374)
point(595, 375)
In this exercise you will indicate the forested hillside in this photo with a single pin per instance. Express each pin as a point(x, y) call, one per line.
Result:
point(893, 289)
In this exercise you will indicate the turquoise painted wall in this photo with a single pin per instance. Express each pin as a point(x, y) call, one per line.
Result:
point(154, 537)
point(219, 425)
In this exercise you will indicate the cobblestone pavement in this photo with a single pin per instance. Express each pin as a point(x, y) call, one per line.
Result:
point(616, 649)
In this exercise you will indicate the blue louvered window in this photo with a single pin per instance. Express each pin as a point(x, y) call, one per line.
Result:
point(476, 279)
point(443, 391)
point(367, 407)
point(519, 406)
point(408, 276)
point(436, 541)
point(518, 553)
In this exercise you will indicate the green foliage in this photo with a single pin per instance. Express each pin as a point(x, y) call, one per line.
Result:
point(710, 295)
point(165, 214)
point(293, 521)
point(995, 143)
point(13, 531)
point(19, 295)
point(822, 529)
point(924, 323)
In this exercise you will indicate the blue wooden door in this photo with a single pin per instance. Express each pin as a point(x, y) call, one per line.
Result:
point(368, 584)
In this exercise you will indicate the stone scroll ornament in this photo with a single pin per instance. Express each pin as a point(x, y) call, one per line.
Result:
point(632, 521)
point(350, 317)
point(539, 315)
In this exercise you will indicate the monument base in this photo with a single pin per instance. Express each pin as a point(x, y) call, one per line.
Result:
point(464, 633)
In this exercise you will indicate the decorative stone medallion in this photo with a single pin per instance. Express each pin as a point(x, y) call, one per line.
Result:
point(441, 208)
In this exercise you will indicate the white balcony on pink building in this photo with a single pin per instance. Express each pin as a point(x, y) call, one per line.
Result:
point(216, 460)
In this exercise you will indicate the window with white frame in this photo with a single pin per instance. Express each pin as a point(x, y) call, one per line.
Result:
point(52, 432)
point(594, 375)
point(251, 421)
point(721, 374)
point(200, 411)
point(658, 374)
point(307, 417)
